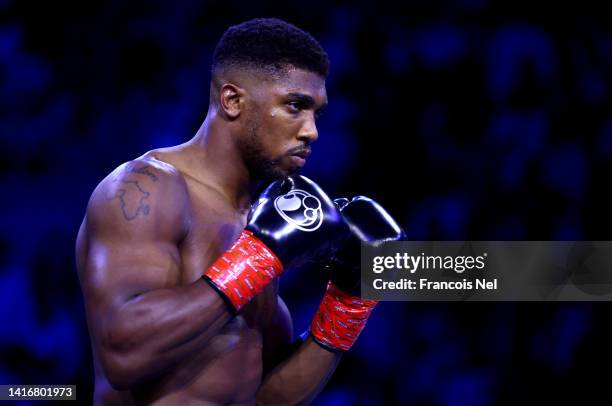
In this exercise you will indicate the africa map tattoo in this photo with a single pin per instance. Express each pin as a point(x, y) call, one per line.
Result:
point(144, 170)
point(133, 200)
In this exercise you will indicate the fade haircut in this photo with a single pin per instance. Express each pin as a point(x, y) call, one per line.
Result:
point(270, 45)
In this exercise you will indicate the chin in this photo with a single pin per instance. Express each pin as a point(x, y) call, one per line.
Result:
point(273, 170)
point(293, 170)
point(273, 174)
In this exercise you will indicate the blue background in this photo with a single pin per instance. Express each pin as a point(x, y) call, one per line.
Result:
point(470, 120)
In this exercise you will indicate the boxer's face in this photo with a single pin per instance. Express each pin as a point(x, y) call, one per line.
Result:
point(281, 123)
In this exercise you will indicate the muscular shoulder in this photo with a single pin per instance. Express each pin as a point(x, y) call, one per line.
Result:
point(143, 194)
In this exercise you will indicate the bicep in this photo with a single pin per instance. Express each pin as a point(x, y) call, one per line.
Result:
point(133, 230)
point(117, 271)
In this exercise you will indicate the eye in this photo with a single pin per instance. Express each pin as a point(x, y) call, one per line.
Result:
point(295, 106)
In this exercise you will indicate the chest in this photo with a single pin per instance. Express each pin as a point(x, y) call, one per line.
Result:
point(213, 229)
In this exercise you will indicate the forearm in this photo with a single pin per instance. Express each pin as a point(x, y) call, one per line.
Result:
point(299, 378)
point(157, 329)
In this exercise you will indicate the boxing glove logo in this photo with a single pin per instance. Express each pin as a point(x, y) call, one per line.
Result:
point(300, 209)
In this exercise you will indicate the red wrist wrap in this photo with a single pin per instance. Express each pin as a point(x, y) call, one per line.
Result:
point(244, 270)
point(340, 318)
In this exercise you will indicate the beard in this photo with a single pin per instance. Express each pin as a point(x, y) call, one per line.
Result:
point(260, 165)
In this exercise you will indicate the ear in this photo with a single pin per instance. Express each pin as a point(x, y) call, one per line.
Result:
point(231, 100)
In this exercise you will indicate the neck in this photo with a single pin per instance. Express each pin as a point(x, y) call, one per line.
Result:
point(216, 161)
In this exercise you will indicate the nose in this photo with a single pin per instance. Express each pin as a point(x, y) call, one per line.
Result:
point(308, 132)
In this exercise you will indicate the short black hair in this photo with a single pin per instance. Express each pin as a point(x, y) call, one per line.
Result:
point(269, 43)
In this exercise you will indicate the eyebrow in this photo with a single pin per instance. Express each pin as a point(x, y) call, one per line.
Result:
point(307, 100)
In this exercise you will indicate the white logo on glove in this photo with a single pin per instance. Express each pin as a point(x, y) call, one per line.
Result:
point(300, 209)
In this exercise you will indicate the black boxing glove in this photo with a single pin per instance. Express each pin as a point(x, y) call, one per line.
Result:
point(296, 220)
point(370, 223)
point(292, 221)
point(342, 314)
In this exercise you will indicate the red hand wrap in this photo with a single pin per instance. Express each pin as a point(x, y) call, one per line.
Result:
point(340, 318)
point(244, 270)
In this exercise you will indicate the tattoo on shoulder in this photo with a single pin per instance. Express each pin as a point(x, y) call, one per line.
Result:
point(133, 199)
point(144, 170)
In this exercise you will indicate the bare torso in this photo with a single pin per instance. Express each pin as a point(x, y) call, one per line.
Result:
point(229, 369)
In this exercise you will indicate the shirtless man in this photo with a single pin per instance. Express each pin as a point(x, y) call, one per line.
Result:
point(179, 270)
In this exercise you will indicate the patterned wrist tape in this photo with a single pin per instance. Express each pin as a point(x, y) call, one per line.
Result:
point(340, 318)
point(244, 270)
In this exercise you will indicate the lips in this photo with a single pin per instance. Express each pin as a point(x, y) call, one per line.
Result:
point(298, 157)
point(297, 160)
point(302, 153)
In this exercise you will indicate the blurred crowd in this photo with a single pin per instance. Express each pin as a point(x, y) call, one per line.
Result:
point(467, 120)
